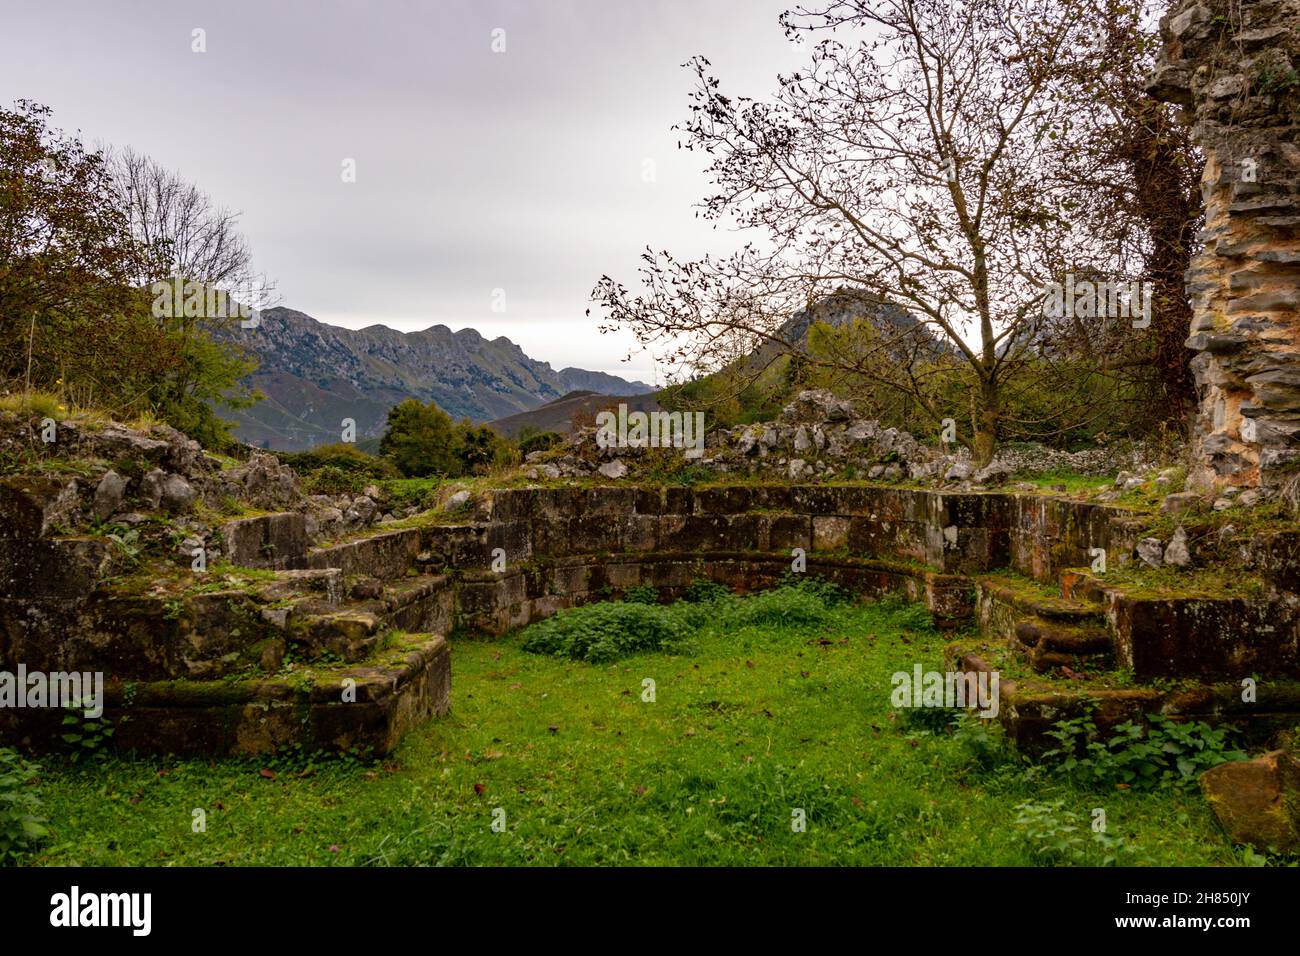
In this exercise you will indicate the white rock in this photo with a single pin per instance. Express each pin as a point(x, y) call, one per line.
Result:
point(1150, 551)
point(1177, 553)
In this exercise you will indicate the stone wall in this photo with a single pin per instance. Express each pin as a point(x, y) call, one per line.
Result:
point(1232, 64)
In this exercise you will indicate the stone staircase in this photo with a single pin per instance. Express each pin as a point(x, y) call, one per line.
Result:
point(337, 648)
point(1054, 634)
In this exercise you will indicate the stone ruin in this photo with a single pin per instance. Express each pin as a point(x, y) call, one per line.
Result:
point(327, 624)
point(819, 436)
point(1232, 65)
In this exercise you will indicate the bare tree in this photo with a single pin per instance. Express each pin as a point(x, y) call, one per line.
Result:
point(200, 240)
point(924, 164)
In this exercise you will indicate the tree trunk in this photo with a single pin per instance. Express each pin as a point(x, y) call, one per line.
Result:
point(987, 417)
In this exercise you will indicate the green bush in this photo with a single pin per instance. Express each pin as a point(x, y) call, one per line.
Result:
point(702, 592)
point(331, 480)
point(339, 456)
point(783, 606)
point(641, 594)
point(598, 633)
point(539, 441)
point(21, 826)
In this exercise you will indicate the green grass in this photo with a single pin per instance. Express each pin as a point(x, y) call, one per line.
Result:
point(761, 719)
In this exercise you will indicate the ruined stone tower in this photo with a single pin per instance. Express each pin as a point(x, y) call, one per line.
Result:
point(1234, 65)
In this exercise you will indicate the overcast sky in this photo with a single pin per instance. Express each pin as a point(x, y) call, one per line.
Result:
point(475, 171)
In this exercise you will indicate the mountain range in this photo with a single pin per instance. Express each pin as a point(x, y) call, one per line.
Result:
point(316, 375)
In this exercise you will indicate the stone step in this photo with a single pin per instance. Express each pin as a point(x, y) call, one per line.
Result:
point(349, 630)
point(1030, 601)
point(1081, 585)
point(1049, 632)
point(368, 705)
point(265, 541)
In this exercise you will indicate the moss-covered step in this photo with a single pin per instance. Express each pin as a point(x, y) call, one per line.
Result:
point(365, 706)
point(1049, 631)
point(1030, 706)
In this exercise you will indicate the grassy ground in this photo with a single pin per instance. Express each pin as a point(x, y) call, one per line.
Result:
point(751, 724)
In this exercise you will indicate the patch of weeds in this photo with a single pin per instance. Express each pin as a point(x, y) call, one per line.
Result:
point(87, 737)
point(828, 592)
point(1163, 753)
point(22, 828)
point(127, 543)
point(701, 591)
point(911, 617)
point(598, 633)
point(931, 720)
point(641, 594)
point(1058, 836)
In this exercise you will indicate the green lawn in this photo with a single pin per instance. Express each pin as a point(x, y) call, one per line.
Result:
point(754, 722)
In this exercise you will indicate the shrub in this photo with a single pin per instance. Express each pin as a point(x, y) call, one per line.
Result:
point(1163, 753)
point(641, 594)
point(339, 456)
point(420, 440)
point(701, 591)
point(21, 826)
point(539, 441)
point(333, 481)
point(599, 633)
point(1057, 836)
point(828, 592)
point(782, 607)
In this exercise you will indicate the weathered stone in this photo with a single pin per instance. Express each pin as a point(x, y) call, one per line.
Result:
point(108, 494)
point(177, 494)
point(613, 469)
point(33, 506)
point(1150, 551)
point(1177, 552)
point(1243, 282)
point(266, 540)
point(151, 488)
point(1257, 802)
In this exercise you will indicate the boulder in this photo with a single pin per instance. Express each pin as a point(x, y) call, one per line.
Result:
point(1257, 802)
point(361, 511)
point(177, 494)
point(33, 507)
point(958, 471)
point(1151, 552)
point(108, 494)
point(1177, 552)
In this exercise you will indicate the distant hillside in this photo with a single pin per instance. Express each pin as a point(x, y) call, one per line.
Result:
point(756, 387)
point(558, 416)
point(315, 375)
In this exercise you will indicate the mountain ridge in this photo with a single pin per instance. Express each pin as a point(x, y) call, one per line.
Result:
point(315, 375)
